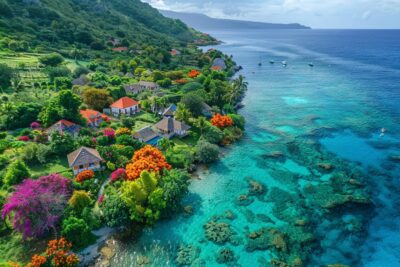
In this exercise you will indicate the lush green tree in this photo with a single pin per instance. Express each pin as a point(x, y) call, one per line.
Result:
point(182, 113)
point(16, 172)
point(20, 115)
point(63, 106)
point(144, 198)
point(42, 153)
point(165, 144)
point(128, 140)
point(79, 200)
point(57, 72)
point(165, 83)
point(97, 99)
point(175, 186)
point(62, 83)
point(77, 231)
point(115, 211)
point(127, 122)
point(238, 120)
point(193, 86)
point(62, 144)
point(212, 134)
point(201, 123)
point(236, 90)
point(206, 152)
point(193, 102)
point(180, 156)
point(6, 75)
point(53, 59)
point(116, 92)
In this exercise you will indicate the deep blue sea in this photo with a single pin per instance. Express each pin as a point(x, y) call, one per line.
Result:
point(300, 118)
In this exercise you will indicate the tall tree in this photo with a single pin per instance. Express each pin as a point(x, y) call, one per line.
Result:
point(97, 99)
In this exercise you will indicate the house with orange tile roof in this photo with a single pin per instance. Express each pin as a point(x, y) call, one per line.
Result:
point(125, 106)
point(62, 127)
point(120, 49)
point(93, 117)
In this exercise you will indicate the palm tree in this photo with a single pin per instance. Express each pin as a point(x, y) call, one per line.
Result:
point(201, 123)
point(236, 90)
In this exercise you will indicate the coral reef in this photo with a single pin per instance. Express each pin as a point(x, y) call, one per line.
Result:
point(186, 255)
point(225, 255)
point(218, 232)
point(256, 188)
point(244, 200)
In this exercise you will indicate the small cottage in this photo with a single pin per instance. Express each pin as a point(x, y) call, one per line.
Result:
point(218, 64)
point(93, 117)
point(140, 87)
point(147, 135)
point(169, 127)
point(62, 127)
point(125, 106)
point(84, 159)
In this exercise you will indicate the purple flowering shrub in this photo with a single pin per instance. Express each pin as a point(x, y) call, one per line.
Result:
point(36, 205)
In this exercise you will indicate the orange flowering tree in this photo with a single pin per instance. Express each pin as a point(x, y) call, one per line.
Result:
point(57, 254)
point(85, 175)
point(193, 73)
point(147, 158)
point(221, 121)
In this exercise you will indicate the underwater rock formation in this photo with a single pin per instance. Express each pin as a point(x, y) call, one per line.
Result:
point(244, 200)
point(225, 255)
point(256, 188)
point(218, 232)
point(186, 255)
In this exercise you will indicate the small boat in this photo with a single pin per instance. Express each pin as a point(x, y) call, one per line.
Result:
point(284, 63)
point(260, 64)
point(271, 62)
point(311, 64)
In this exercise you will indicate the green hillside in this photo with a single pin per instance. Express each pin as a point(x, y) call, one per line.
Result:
point(86, 24)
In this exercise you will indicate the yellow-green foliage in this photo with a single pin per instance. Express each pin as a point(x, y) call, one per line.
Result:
point(79, 201)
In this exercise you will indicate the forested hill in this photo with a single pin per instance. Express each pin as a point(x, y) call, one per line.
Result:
point(87, 23)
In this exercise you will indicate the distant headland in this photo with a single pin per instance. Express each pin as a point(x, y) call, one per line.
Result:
point(203, 22)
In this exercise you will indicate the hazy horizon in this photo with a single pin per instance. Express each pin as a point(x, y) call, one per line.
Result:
point(335, 14)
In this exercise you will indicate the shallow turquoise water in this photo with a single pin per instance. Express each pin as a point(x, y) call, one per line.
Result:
point(330, 113)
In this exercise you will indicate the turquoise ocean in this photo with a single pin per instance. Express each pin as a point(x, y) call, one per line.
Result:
point(315, 180)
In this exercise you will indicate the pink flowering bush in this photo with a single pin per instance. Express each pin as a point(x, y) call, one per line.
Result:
point(118, 174)
point(101, 199)
point(24, 138)
point(36, 205)
point(35, 125)
point(109, 132)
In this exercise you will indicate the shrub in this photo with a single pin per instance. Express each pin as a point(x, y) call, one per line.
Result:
point(206, 152)
point(123, 131)
point(118, 174)
point(193, 73)
point(53, 59)
point(84, 176)
point(77, 231)
point(16, 172)
point(80, 199)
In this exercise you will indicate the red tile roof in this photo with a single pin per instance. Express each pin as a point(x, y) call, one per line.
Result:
point(91, 115)
point(124, 102)
point(65, 122)
point(120, 49)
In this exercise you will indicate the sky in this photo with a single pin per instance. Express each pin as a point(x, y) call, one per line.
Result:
point(369, 14)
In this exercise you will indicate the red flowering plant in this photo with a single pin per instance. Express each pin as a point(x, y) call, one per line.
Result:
point(193, 73)
point(221, 121)
point(181, 81)
point(24, 138)
point(84, 176)
point(109, 132)
point(35, 125)
point(118, 174)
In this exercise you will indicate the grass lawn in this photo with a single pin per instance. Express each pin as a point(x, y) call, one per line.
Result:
point(140, 124)
point(14, 248)
point(147, 117)
point(56, 166)
point(190, 140)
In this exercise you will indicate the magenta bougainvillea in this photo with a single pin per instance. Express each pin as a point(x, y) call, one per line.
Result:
point(109, 132)
point(118, 174)
point(36, 205)
point(35, 125)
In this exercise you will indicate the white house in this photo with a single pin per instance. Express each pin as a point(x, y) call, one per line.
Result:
point(125, 106)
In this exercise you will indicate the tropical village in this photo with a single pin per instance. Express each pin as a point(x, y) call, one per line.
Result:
point(101, 126)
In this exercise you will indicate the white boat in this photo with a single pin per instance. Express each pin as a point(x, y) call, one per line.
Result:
point(284, 63)
point(311, 64)
point(271, 62)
